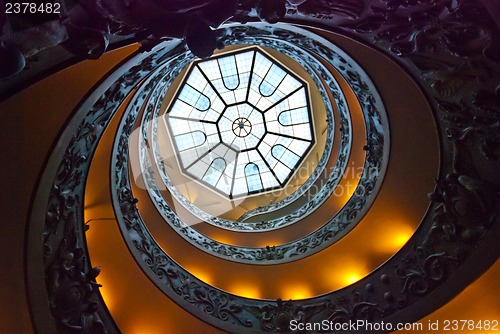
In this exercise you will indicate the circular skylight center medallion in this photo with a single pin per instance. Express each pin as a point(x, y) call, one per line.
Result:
point(242, 127)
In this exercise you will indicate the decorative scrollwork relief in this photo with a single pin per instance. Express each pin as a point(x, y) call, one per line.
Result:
point(450, 48)
point(334, 228)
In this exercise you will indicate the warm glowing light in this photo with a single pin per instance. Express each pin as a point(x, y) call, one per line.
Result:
point(270, 243)
point(200, 274)
point(353, 273)
point(351, 277)
point(395, 237)
point(146, 328)
point(245, 290)
point(223, 239)
point(106, 292)
point(400, 239)
point(296, 292)
point(351, 270)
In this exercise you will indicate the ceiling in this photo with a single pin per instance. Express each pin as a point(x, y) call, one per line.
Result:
point(252, 141)
point(394, 216)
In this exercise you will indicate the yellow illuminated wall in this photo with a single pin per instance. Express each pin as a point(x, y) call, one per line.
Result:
point(39, 113)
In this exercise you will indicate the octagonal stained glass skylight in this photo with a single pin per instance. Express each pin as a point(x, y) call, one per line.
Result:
point(241, 123)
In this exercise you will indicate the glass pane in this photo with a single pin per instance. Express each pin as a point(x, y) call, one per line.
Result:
point(190, 140)
point(285, 156)
point(252, 175)
point(214, 171)
point(272, 80)
point(294, 116)
point(194, 98)
point(229, 72)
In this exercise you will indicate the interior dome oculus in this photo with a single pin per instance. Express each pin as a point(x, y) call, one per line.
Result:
point(241, 123)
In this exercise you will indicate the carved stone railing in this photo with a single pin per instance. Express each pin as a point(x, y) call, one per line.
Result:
point(317, 71)
point(336, 227)
point(451, 50)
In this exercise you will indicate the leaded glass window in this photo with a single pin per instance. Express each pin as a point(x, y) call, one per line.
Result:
point(214, 171)
point(241, 122)
point(190, 140)
point(252, 175)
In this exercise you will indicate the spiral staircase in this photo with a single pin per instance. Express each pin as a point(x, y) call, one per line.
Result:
point(121, 224)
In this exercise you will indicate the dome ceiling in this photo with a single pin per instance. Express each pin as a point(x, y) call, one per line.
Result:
point(241, 123)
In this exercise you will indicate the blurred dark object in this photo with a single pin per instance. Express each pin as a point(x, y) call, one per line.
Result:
point(12, 60)
point(271, 11)
point(201, 39)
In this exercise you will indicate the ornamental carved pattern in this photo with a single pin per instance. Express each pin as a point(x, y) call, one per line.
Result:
point(450, 47)
point(330, 232)
point(304, 60)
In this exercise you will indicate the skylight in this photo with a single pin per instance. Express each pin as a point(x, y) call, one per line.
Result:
point(241, 123)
